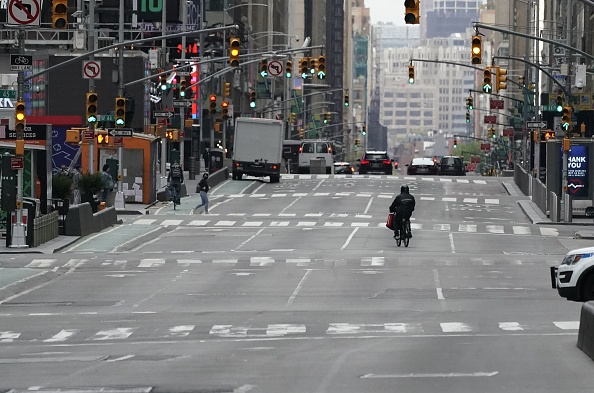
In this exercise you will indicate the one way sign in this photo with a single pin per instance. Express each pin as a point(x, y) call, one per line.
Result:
point(163, 114)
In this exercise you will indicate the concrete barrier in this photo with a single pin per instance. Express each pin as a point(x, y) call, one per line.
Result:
point(80, 220)
point(586, 332)
point(218, 177)
point(163, 196)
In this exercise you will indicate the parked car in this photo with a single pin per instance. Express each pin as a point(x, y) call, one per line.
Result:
point(452, 165)
point(375, 162)
point(343, 168)
point(574, 278)
point(422, 166)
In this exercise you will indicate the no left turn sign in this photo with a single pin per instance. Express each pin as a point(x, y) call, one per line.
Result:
point(275, 68)
point(91, 69)
point(23, 12)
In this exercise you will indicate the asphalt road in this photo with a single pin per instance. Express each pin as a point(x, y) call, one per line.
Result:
point(299, 287)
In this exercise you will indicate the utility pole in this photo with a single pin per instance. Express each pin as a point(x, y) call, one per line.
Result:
point(119, 200)
point(566, 205)
point(182, 109)
point(92, 46)
point(200, 97)
point(164, 63)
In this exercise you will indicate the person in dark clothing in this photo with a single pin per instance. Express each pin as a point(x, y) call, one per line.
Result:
point(402, 207)
point(175, 180)
point(203, 188)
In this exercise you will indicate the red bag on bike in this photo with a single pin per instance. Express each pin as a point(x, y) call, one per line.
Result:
point(390, 222)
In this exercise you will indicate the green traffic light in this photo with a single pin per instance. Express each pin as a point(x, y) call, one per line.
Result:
point(411, 80)
point(119, 121)
point(289, 75)
point(304, 75)
point(92, 119)
point(252, 104)
point(321, 75)
point(487, 88)
point(182, 93)
point(559, 108)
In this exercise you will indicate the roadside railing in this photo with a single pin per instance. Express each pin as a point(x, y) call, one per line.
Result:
point(554, 206)
point(45, 228)
point(539, 194)
point(522, 180)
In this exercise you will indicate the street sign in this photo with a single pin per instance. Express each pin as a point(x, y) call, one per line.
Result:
point(119, 132)
point(183, 73)
point(91, 69)
point(33, 132)
point(536, 124)
point(163, 114)
point(17, 162)
point(88, 135)
point(105, 118)
point(509, 132)
point(8, 94)
point(485, 146)
point(21, 62)
point(275, 68)
point(183, 104)
point(118, 141)
point(24, 12)
point(496, 104)
point(490, 119)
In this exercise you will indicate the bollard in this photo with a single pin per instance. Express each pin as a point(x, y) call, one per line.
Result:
point(192, 168)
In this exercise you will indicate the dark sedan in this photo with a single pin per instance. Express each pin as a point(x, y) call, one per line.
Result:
point(422, 166)
point(375, 162)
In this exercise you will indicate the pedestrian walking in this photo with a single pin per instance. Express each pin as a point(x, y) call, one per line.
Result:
point(76, 178)
point(203, 189)
point(107, 182)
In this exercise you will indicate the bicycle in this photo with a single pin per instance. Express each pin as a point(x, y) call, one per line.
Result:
point(403, 235)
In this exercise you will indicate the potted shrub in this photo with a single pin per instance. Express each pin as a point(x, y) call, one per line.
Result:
point(61, 187)
point(90, 185)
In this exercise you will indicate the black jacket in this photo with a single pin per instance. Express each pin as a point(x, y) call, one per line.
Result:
point(403, 203)
point(203, 185)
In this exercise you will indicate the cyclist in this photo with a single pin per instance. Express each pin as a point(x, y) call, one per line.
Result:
point(175, 179)
point(402, 207)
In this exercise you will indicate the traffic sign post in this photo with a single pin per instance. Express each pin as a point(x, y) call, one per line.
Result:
point(24, 12)
point(21, 62)
point(183, 104)
point(163, 114)
point(120, 132)
point(8, 94)
point(536, 124)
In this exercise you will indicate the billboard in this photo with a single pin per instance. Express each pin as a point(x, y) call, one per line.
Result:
point(577, 172)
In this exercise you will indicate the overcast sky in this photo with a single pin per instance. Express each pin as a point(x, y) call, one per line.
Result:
point(386, 11)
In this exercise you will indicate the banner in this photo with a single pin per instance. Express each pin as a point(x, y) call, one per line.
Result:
point(577, 172)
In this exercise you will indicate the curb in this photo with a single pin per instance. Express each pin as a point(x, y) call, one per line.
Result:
point(129, 212)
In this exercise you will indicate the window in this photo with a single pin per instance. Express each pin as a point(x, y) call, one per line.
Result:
point(388, 94)
point(415, 122)
point(415, 113)
point(401, 113)
point(400, 122)
point(307, 148)
point(415, 95)
point(321, 148)
point(428, 113)
point(214, 5)
point(388, 113)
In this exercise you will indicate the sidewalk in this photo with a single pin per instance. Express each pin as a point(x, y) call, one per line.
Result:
point(50, 247)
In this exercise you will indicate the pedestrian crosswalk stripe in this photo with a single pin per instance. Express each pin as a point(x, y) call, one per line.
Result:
point(455, 327)
point(278, 195)
point(445, 180)
point(518, 230)
point(510, 326)
point(321, 194)
point(440, 227)
point(113, 334)
point(62, 336)
point(236, 195)
point(257, 195)
point(225, 223)
point(467, 228)
point(279, 223)
point(151, 262)
point(343, 193)
point(261, 215)
point(568, 325)
point(427, 198)
point(362, 216)
point(180, 331)
point(8, 336)
point(333, 224)
point(372, 261)
point(287, 214)
point(414, 226)
point(41, 263)
point(471, 200)
point(480, 182)
point(144, 221)
point(313, 214)
point(390, 196)
point(198, 222)
point(299, 261)
point(261, 261)
point(171, 222)
point(359, 224)
point(549, 232)
point(495, 228)
point(492, 201)
point(188, 261)
point(306, 223)
point(282, 329)
point(339, 215)
point(462, 181)
point(252, 224)
point(225, 261)
point(236, 214)
point(448, 199)
point(364, 195)
point(300, 194)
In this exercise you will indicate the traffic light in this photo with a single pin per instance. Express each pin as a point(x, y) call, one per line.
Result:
point(346, 99)
point(164, 82)
point(411, 12)
point(469, 103)
point(477, 49)
point(289, 68)
point(172, 134)
point(501, 77)
point(91, 106)
point(521, 80)
point(234, 52)
point(183, 84)
point(292, 118)
point(304, 67)
point(301, 133)
point(264, 68)
point(455, 143)
point(252, 99)
point(493, 133)
point(59, 14)
point(227, 89)
point(313, 65)
point(213, 104)
point(225, 109)
point(364, 130)
point(566, 119)
point(411, 74)
point(546, 135)
point(120, 111)
point(102, 139)
point(321, 67)
point(559, 102)
point(327, 117)
point(19, 116)
point(468, 117)
point(487, 84)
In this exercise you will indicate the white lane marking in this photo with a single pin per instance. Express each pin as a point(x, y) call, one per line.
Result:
point(363, 195)
point(368, 205)
point(224, 261)
point(427, 198)
point(282, 329)
point(333, 224)
point(467, 228)
point(318, 185)
point(363, 216)
point(261, 215)
point(568, 325)
point(288, 206)
point(236, 214)
point(492, 201)
point(348, 240)
point(125, 357)
point(237, 195)
point(180, 331)
point(343, 193)
point(445, 180)
point(8, 336)
point(279, 223)
point(471, 200)
point(62, 336)
point(441, 227)
point(386, 196)
point(113, 334)
point(261, 261)
point(321, 194)
point(278, 195)
point(167, 223)
point(136, 238)
point(480, 181)
point(306, 223)
point(455, 327)
point(518, 230)
point(495, 228)
point(257, 195)
point(438, 285)
point(144, 221)
point(432, 375)
point(299, 261)
point(287, 214)
point(250, 238)
point(367, 328)
point(359, 224)
point(298, 288)
point(41, 262)
point(198, 223)
point(313, 214)
point(256, 190)
point(339, 215)
point(452, 245)
point(416, 226)
point(151, 262)
point(74, 263)
point(510, 326)
point(463, 181)
point(188, 262)
point(229, 331)
point(447, 199)
point(549, 231)
point(252, 224)
point(225, 223)
point(182, 251)
point(300, 194)
point(372, 261)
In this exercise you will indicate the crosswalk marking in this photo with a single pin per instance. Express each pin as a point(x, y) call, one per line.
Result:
point(278, 330)
point(427, 198)
point(455, 327)
point(261, 215)
point(113, 334)
point(225, 261)
point(62, 336)
point(489, 201)
point(313, 214)
point(549, 231)
point(358, 328)
point(568, 325)
point(343, 193)
point(495, 228)
point(388, 196)
point(306, 223)
point(299, 261)
point(180, 331)
point(279, 195)
point(225, 223)
point(8, 336)
point(171, 222)
point(236, 214)
point(321, 194)
point(470, 200)
point(151, 262)
point(229, 331)
point(372, 261)
point(41, 263)
point(518, 230)
point(300, 194)
point(480, 181)
point(510, 326)
point(188, 261)
point(333, 224)
point(261, 261)
point(467, 228)
point(440, 227)
point(279, 223)
point(448, 199)
point(257, 195)
point(252, 224)
point(445, 180)
point(198, 222)
point(359, 224)
point(466, 181)
point(287, 215)
point(145, 221)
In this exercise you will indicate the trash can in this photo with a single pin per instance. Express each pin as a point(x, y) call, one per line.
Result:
point(216, 160)
point(62, 206)
point(31, 205)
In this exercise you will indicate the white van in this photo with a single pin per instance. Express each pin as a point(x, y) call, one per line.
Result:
point(312, 149)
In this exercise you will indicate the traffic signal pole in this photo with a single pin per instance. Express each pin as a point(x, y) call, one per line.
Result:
point(91, 45)
point(119, 199)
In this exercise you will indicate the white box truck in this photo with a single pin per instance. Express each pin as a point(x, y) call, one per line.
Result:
point(258, 148)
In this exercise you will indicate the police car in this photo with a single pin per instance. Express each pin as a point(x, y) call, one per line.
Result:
point(574, 278)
